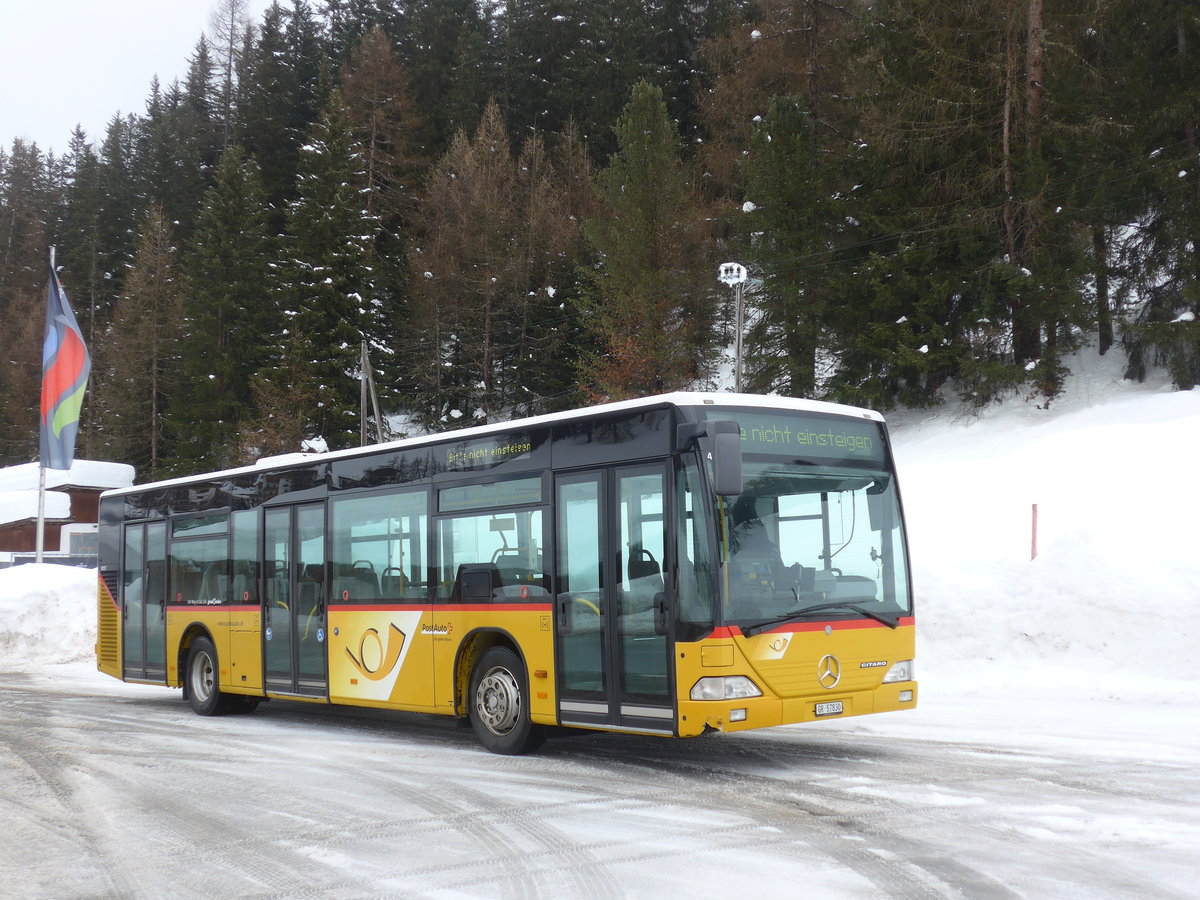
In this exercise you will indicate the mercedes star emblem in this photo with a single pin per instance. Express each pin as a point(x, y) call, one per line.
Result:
point(829, 671)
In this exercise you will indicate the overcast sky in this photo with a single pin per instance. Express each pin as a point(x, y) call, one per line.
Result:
point(64, 62)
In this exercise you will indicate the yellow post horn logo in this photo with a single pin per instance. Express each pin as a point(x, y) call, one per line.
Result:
point(387, 658)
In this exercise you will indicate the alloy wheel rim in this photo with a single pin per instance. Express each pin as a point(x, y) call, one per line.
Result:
point(498, 701)
point(202, 677)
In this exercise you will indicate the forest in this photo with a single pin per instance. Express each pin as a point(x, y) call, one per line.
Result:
point(520, 207)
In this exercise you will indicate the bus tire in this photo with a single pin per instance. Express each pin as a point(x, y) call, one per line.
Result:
point(499, 704)
point(203, 688)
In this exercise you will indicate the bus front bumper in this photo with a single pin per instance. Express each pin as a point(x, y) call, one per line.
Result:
point(699, 716)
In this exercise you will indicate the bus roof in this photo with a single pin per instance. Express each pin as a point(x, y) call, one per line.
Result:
point(677, 398)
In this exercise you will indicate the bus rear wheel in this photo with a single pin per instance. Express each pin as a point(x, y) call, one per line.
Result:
point(203, 689)
point(499, 704)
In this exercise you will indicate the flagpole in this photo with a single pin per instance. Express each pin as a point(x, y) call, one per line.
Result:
point(41, 519)
point(41, 525)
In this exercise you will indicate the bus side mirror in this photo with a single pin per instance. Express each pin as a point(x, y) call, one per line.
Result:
point(727, 460)
point(725, 453)
point(727, 464)
point(875, 508)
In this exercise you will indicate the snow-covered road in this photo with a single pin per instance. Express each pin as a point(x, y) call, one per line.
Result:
point(113, 790)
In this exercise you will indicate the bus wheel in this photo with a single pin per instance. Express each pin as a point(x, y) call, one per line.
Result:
point(203, 691)
point(499, 704)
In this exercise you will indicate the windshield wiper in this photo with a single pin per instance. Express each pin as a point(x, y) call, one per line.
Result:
point(759, 627)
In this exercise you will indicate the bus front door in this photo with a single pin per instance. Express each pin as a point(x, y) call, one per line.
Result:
point(612, 601)
point(294, 613)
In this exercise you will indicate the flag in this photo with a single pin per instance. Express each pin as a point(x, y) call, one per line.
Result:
point(65, 369)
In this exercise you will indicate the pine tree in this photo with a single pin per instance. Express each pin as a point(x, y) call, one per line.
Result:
point(228, 321)
point(784, 49)
point(25, 201)
point(438, 32)
point(25, 198)
point(652, 308)
point(79, 233)
point(492, 278)
point(137, 369)
point(463, 278)
point(348, 22)
point(329, 285)
point(119, 210)
point(284, 100)
point(376, 101)
point(1163, 256)
point(176, 144)
point(578, 60)
point(974, 153)
point(798, 218)
point(228, 24)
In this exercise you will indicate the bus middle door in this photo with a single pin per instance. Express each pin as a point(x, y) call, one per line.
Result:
point(294, 600)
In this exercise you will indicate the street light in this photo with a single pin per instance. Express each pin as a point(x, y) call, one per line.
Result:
point(734, 275)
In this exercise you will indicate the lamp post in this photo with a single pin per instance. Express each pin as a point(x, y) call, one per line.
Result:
point(734, 275)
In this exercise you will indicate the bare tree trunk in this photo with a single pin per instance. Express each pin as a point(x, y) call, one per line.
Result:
point(812, 49)
point(1035, 73)
point(1104, 323)
point(228, 23)
point(1189, 122)
point(1010, 227)
point(1027, 341)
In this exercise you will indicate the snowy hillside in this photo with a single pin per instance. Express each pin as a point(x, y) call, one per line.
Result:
point(1110, 602)
point(1108, 607)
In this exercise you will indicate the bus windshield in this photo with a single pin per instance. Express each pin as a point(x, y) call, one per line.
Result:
point(808, 537)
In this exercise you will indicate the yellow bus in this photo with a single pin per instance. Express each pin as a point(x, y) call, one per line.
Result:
point(674, 565)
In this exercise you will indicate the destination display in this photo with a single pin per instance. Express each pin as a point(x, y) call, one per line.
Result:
point(798, 434)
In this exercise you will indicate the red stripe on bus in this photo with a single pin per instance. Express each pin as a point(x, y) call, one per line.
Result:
point(379, 607)
point(504, 607)
point(439, 607)
point(839, 625)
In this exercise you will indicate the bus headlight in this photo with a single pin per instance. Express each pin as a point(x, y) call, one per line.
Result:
point(724, 687)
point(901, 671)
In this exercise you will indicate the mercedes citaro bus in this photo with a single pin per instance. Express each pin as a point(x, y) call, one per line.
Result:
point(672, 566)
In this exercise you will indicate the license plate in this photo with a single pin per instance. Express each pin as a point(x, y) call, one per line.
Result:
point(832, 708)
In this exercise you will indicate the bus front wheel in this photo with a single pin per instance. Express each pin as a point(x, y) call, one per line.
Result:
point(499, 704)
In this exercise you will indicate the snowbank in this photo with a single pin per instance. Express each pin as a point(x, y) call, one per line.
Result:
point(47, 614)
point(1109, 604)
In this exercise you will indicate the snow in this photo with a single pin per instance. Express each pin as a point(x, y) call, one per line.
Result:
point(83, 473)
point(1107, 607)
point(1080, 663)
point(18, 506)
point(47, 613)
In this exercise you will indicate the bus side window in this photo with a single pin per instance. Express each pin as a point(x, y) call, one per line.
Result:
point(504, 547)
point(378, 546)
